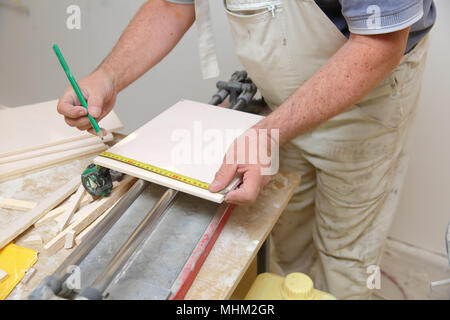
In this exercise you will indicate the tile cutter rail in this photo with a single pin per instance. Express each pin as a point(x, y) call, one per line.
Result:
point(240, 91)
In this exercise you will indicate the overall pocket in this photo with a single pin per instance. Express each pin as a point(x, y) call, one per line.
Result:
point(261, 46)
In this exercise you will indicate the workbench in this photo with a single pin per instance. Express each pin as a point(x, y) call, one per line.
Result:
point(237, 246)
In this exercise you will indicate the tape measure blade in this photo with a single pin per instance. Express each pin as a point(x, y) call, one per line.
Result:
point(157, 170)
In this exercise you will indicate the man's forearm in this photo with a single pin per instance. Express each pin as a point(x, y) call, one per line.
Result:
point(357, 67)
point(150, 36)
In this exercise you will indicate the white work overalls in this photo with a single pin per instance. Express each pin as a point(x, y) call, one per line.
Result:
point(352, 165)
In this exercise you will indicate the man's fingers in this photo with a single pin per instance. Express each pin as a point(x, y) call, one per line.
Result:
point(83, 128)
point(102, 133)
point(249, 189)
point(71, 111)
point(223, 177)
point(69, 105)
point(79, 122)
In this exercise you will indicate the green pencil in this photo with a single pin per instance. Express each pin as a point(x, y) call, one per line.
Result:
point(76, 88)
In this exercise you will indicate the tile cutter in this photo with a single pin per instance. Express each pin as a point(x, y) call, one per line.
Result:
point(240, 91)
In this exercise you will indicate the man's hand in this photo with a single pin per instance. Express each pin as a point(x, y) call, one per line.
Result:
point(150, 36)
point(251, 156)
point(100, 95)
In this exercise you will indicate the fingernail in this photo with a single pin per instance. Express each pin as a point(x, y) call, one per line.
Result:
point(214, 186)
point(82, 113)
point(95, 111)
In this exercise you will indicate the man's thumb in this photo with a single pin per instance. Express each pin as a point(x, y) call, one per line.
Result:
point(95, 105)
point(223, 177)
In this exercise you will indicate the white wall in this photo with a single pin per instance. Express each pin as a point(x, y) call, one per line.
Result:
point(424, 209)
point(29, 72)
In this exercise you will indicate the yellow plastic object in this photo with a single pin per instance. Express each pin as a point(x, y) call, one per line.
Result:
point(15, 261)
point(296, 286)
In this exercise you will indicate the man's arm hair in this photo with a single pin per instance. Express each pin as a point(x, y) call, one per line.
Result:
point(150, 36)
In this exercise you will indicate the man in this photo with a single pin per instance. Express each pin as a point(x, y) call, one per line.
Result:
point(343, 79)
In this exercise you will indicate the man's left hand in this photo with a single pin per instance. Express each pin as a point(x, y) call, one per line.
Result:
point(251, 157)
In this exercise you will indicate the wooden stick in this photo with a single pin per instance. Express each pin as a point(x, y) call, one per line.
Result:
point(88, 216)
point(17, 204)
point(78, 213)
point(35, 240)
point(28, 219)
point(51, 215)
point(55, 213)
point(69, 240)
point(73, 206)
point(86, 231)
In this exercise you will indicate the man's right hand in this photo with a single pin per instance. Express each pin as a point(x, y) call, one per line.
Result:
point(100, 94)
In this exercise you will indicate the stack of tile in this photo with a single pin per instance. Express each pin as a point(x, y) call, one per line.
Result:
point(35, 136)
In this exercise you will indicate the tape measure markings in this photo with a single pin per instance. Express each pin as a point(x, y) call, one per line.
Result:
point(157, 170)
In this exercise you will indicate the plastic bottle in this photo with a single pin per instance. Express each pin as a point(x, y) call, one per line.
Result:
point(296, 286)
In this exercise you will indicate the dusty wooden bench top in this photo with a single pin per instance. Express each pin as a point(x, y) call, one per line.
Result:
point(240, 240)
point(235, 248)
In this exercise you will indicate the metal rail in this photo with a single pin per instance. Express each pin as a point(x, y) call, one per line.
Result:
point(142, 231)
point(55, 284)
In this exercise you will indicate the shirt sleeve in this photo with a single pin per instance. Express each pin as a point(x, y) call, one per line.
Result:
point(380, 16)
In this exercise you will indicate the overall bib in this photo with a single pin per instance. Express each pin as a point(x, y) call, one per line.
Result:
point(352, 165)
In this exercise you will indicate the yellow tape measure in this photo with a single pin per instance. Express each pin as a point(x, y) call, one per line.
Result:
point(163, 172)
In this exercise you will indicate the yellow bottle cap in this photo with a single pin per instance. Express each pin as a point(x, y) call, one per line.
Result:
point(297, 286)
